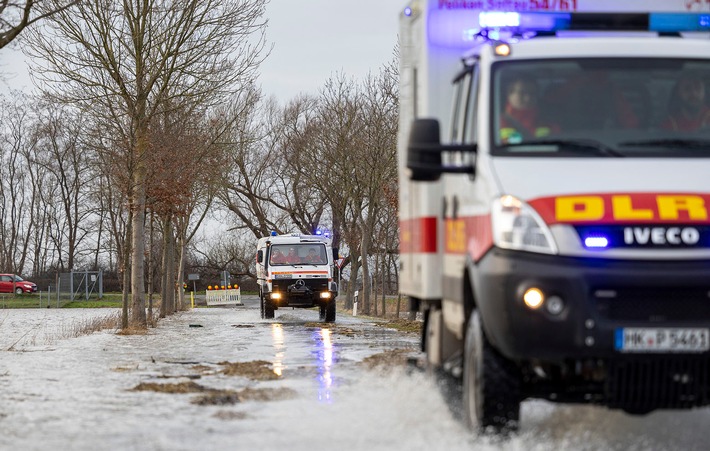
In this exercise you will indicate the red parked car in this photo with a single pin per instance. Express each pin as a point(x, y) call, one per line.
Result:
point(10, 283)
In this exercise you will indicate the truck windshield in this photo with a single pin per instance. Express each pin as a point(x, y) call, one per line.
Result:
point(602, 107)
point(297, 254)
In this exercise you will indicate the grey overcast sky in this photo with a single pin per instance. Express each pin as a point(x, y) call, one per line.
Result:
point(312, 40)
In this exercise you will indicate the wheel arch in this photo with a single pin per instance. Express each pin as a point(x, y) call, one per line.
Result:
point(470, 302)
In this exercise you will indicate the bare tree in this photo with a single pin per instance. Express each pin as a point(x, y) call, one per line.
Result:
point(16, 15)
point(261, 188)
point(377, 173)
point(62, 156)
point(347, 154)
point(18, 195)
point(134, 57)
point(185, 165)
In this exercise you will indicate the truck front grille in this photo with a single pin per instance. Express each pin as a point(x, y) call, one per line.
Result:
point(653, 304)
point(313, 284)
point(644, 384)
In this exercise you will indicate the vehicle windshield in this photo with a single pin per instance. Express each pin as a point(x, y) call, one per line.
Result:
point(18, 279)
point(297, 254)
point(602, 107)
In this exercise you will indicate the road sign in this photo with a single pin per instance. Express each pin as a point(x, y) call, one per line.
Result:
point(193, 277)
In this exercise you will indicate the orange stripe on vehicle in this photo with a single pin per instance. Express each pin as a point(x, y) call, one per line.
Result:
point(627, 208)
point(418, 235)
point(470, 235)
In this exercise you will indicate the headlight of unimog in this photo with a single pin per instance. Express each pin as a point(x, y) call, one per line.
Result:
point(517, 226)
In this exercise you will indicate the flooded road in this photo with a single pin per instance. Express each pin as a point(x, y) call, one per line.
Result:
point(222, 378)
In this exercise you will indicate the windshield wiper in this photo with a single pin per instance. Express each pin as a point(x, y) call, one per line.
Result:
point(574, 145)
point(669, 142)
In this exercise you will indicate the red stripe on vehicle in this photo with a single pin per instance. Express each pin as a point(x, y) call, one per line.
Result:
point(418, 235)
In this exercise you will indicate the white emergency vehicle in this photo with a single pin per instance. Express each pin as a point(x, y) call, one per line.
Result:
point(296, 271)
point(558, 241)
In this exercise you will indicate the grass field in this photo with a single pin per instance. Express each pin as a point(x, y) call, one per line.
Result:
point(109, 300)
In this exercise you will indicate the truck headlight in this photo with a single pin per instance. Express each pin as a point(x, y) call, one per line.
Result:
point(517, 226)
point(325, 294)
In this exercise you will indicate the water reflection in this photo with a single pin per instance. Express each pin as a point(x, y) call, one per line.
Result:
point(277, 334)
point(324, 355)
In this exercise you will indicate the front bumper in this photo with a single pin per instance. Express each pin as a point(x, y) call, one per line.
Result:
point(600, 297)
point(300, 292)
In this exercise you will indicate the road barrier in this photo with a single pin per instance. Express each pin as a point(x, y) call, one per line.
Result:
point(224, 297)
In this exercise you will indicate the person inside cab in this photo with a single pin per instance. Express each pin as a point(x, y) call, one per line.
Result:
point(292, 256)
point(313, 256)
point(521, 120)
point(277, 257)
point(687, 110)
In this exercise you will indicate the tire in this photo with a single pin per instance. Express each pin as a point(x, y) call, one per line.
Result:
point(330, 311)
point(321, 312)
point(19, 290)
point(261, 302)
point(268, 308)
point(491, 384)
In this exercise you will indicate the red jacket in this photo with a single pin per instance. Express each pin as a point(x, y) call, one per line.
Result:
point(682, 123)
point(526, 122)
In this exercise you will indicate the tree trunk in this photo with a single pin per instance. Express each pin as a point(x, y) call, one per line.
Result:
point(181, 272)
point(382, 282)
point(167, 305)
point(364, 251)
point(375, 279)
point(150, 271)
point(125, 265)
point(138, 317)
point(354, 270)
point(163, 279)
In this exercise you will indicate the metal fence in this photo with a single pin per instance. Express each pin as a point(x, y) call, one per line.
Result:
point(79, 285)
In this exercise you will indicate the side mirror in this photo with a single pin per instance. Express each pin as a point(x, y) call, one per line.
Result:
point(423, 158)
point(424, 152)
point(259, 256)
point(336, 255)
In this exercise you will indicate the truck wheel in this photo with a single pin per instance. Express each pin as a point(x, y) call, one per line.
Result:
point(491, 383)
point(268, 308)
point(261, 303)
point(321, 312)
point(330, 311)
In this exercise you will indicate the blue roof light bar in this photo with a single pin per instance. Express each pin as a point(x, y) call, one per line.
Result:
point(552, 22)
point(457, 28)
point(678, 22)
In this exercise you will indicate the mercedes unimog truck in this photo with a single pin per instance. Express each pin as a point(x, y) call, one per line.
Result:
point(296, 271)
